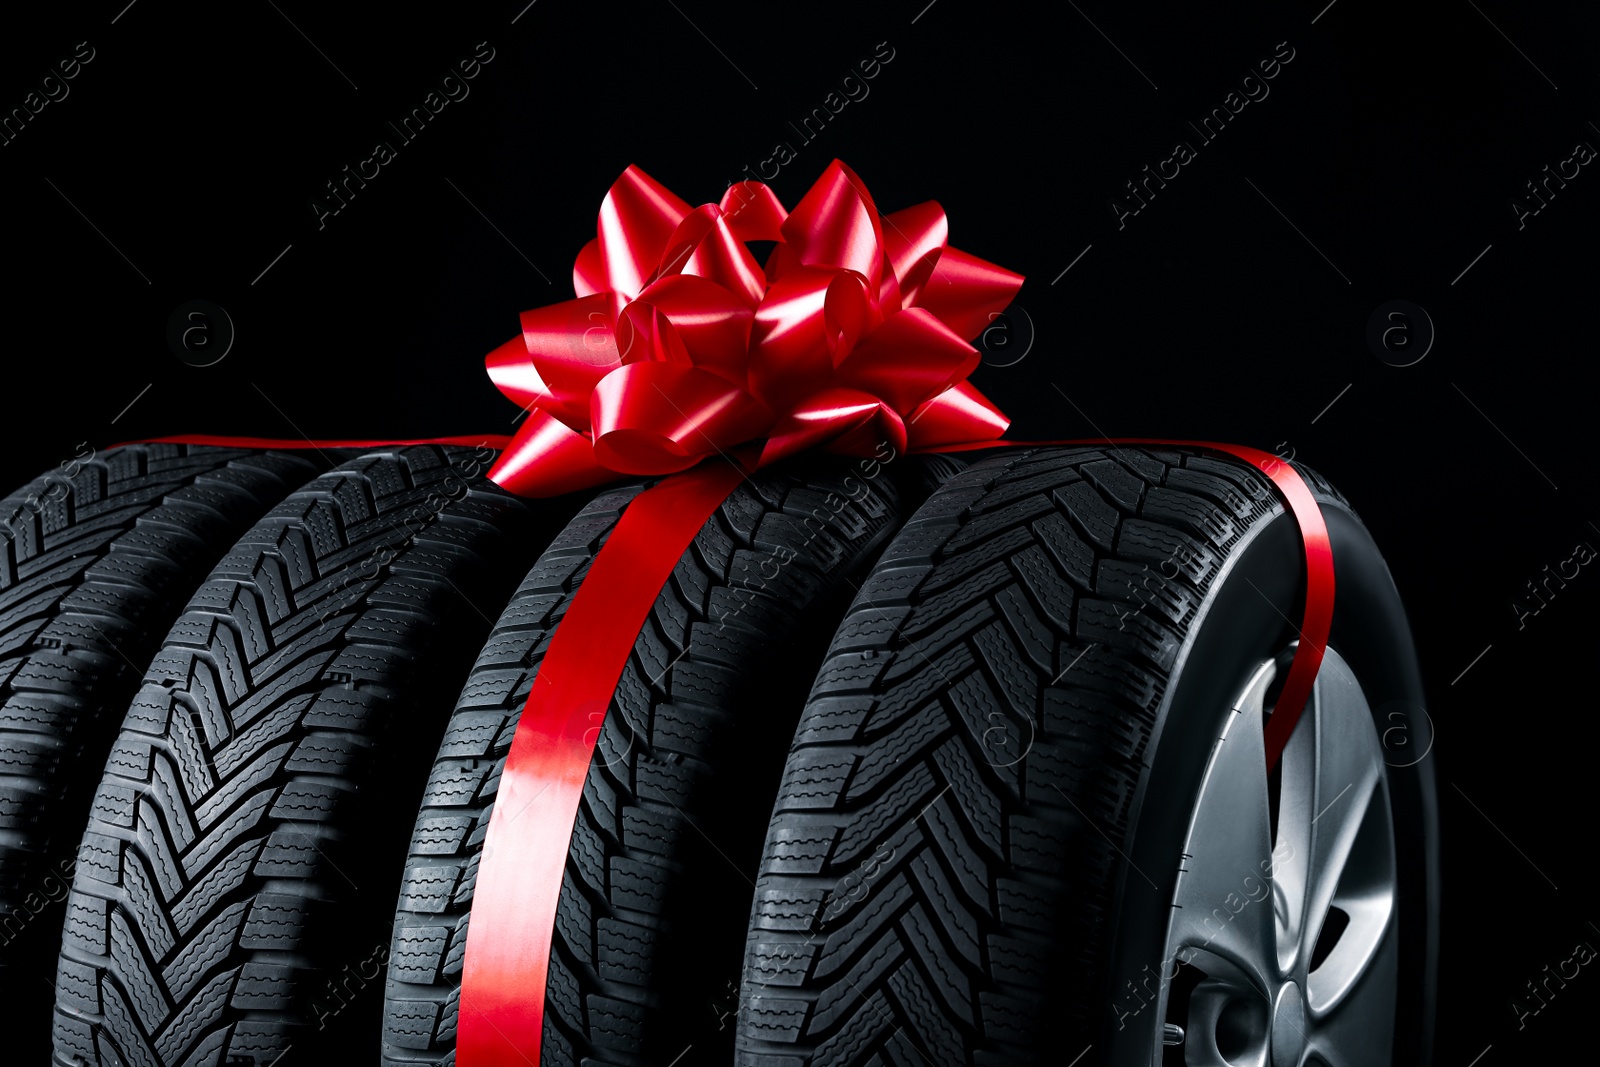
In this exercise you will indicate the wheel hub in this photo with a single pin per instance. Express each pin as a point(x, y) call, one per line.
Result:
point(1288, 1026)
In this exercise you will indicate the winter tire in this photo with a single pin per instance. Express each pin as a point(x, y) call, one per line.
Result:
point(99, 558)
point(1027, 816)
point(234, 885)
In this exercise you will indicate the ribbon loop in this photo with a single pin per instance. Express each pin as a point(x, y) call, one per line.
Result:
point(914, 238)
point(637, 219)
point(657, 418)
point(753, 212)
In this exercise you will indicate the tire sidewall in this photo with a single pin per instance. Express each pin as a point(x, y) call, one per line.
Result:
point(1244, 622)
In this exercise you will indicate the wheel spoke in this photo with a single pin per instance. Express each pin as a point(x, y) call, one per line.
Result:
point(1359, 1029)
point(1348, 767)
point(1291, 852)
point(1223, 893)
point(1365, 895)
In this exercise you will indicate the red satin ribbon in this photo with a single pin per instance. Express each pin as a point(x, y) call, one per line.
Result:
point(518, 884)
point(496, 441)
point(1317, 621)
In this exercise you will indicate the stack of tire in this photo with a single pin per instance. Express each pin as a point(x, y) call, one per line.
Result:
point(975, 775)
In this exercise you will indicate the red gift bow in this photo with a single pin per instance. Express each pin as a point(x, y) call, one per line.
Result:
point(678, 346)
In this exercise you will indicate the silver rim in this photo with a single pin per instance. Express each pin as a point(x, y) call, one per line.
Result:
point(1282, 949)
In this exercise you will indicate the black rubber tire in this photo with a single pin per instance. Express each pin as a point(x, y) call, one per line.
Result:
point(1010, 717)
point(650, 922)
point(234, 884)
point(98, 558)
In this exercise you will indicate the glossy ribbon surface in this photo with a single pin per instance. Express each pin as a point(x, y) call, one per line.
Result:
point(679, 346)
point(496, 441)
point(518, 883)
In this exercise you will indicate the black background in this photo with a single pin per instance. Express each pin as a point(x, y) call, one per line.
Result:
point(1234, 306)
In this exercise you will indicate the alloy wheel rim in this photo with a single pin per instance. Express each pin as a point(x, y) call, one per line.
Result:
point(1282, 948)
